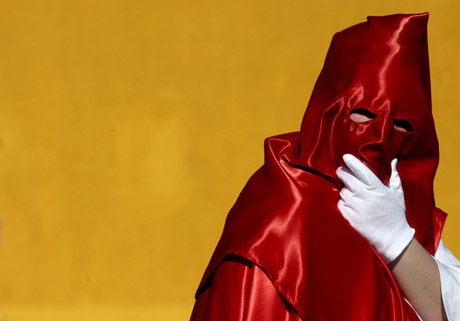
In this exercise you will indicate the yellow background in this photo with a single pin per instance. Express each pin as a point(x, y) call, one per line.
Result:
point(128, 128)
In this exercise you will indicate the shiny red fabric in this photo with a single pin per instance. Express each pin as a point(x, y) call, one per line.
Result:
point(242, 291)
point(286, 219)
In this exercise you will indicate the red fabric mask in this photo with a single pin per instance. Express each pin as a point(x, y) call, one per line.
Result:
point(379, 67)
point(286, 218)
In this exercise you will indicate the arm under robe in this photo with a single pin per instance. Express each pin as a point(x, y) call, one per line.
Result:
point(449, 269)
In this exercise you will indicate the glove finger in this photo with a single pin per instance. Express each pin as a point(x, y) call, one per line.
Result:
point(395, 180)
point(395, 183)
point(346, 195)
point(354, 203)
point(348, 179)
point(361, 171)
point(341, 205)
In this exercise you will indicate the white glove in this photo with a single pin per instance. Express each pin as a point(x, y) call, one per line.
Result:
point(375, 210)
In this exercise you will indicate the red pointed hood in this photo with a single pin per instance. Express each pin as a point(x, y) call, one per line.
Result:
point(380, 66)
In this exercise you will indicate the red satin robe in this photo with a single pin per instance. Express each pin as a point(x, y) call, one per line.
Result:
point(241, 291)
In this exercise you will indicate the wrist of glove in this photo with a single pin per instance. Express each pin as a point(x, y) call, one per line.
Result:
point(375, 210)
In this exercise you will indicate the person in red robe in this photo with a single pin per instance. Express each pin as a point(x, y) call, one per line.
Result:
point(303, 241)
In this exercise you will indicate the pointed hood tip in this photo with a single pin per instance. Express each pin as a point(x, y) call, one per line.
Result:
point(421, 14)
point(421, 17)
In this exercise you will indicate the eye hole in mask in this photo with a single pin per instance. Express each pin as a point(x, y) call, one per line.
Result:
point(361, 115)
point(402, 125)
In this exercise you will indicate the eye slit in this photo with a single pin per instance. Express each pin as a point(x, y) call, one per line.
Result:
point(361, 115)
point(402, 125)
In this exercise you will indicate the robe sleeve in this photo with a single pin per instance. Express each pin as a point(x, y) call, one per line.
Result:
point(241, 291)
point(449, 269)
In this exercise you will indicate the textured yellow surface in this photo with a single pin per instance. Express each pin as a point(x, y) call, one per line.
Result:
point(128, 128)
point(110, 312)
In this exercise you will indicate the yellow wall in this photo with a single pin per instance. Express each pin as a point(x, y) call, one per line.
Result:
point(128, 128)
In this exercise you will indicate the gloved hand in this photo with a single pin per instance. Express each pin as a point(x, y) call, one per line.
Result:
point(375, 210)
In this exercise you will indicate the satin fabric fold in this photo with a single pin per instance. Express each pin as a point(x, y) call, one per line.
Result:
point(286, 220)
point(242, 291)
